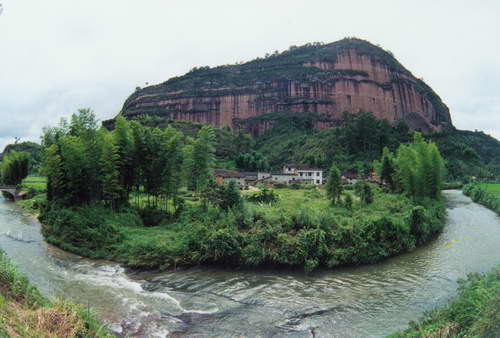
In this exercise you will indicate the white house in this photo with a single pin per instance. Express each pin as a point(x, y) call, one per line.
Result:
point(304, 173)
point(292, 174)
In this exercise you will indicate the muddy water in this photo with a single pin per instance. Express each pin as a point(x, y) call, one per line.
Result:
point(368, 301)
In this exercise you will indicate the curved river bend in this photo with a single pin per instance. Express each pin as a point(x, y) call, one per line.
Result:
point(367, 301)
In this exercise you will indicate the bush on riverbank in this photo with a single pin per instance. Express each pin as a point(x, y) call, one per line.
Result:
point(312, 235)
point(483, 196)
point(25, 312)
point(90, 230)
point(474, 313)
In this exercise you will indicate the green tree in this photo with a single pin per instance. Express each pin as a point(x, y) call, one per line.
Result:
point(52, 167)
point(15, 167)
point(387, 169)
point(202, 154)
point(334, 184)
point(125, 147)
point(348, 202)
point(172, 173)
point(112, 189)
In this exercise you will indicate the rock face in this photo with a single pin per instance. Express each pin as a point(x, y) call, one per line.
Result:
point(319, 80)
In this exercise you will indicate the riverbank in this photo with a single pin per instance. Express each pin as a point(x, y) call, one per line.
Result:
point(25, 312)
point(302, 230)
point(475, 312)
point(487, 194)
point(361, 301)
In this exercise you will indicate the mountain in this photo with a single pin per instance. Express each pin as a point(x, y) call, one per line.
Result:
point(322, 81)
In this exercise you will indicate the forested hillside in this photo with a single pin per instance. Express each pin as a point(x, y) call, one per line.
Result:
point(357, 141)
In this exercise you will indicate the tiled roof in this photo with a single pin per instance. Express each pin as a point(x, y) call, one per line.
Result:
point(301, 167)
point(228, 173)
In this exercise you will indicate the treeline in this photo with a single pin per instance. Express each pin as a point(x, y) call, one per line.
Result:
point(14, 167)
point(361, 139)
point(86, 164)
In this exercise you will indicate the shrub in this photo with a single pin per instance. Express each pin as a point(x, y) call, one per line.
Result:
point(265, 195)
point(89, 230)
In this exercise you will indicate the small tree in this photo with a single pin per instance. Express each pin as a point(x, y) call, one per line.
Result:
point(334, 184)
point(110, 166)
point(15, 167)
point(367, 194)
point(364, 191)
point(348, 201)
point(387, 170)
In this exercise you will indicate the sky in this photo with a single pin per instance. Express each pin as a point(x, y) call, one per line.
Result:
point(61, 55)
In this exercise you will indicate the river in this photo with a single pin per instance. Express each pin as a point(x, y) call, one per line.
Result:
point(366, 301)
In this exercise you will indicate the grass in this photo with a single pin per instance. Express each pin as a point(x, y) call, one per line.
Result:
point(24, 312)
point(37, 183)
point(474, 313)
point(302, 228)
point(36, 187)
point(487, 194)
point(491, 187)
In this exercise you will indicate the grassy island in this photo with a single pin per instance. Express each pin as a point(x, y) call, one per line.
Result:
point(150, 201)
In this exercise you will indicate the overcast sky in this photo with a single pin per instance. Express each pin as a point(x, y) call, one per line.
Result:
point(61, 55)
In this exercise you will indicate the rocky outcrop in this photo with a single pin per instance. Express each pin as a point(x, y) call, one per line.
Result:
point(325, 80)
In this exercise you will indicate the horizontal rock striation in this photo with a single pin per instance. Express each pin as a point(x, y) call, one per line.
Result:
point(327, 80)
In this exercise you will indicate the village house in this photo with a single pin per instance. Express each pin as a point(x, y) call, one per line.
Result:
point(226, 176)
point(293, 174)
point(305, 174)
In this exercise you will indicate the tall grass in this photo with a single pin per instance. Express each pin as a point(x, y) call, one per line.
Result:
point(474, 313)
point(487, 195)
point(24, 312)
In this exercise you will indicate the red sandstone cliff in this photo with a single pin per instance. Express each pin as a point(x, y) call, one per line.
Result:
point(350, 75)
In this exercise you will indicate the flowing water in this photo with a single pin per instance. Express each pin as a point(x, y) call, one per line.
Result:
point(366, 301)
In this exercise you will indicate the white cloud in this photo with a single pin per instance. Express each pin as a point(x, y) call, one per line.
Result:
point(58, 55)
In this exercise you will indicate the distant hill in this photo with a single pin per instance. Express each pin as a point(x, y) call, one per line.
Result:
point(322, 80)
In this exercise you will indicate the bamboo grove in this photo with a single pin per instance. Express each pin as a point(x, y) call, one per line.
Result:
point(86, 164)
point(14, 167)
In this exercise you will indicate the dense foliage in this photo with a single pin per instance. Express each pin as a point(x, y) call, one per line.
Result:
point(150, 201)
point(85, 164)
point(474, 313)
point(34, 149)
point(14, 167)
point(419, 169)
point(269, 235)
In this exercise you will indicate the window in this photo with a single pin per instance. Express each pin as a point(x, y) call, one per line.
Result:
point(317, 174)
point(317, 181)
point(300, 174)
point(310, 174)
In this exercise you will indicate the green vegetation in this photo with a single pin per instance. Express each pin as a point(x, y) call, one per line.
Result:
point(487, 194)
point(34, 149)
point(334, 185)
point(474, 313)
point(132, 204)
point(24, 312)
point(14, 167)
